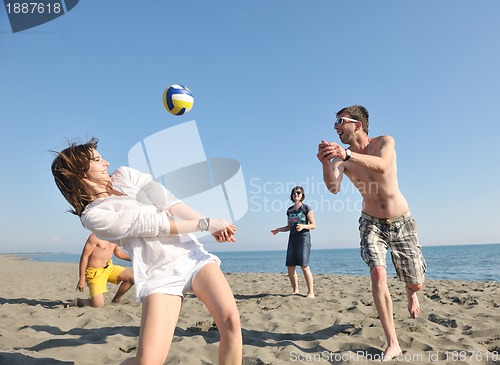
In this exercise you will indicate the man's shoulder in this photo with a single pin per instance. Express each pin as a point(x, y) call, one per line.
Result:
point(381, 141)
point(382, 138)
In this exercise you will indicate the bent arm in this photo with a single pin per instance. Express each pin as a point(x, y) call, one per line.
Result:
point(282, 229)
point(332, 175)
point(381, 161)
point(184, 211)
point(120, 254)
point(312, 221)
point(221, 230)
point(333, 169)
point(113, 225)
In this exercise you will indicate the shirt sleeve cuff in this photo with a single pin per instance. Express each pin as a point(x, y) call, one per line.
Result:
point(165, 225)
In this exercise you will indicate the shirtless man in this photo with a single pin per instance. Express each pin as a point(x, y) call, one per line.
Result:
point(97, 269)
point(370, 164)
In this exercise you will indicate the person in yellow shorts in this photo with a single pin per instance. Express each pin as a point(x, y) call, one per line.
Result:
point(97, 269)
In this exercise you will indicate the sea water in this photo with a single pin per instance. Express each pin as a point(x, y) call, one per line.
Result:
point(465, 262)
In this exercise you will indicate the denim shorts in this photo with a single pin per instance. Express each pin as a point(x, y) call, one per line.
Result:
point(398, 234)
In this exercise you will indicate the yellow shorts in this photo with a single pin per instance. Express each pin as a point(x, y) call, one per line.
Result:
point(97, 279)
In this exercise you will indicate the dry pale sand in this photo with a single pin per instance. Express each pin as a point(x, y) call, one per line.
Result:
point(459, 323)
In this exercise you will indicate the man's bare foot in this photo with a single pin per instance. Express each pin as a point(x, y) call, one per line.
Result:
point(413, 304)
point(391, 352)
point(310, 295)
point(296, 292)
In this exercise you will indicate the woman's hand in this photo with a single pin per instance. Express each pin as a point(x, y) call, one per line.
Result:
point(275, 231)
point(222, 230)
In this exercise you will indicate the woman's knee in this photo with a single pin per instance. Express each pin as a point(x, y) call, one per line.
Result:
point(230, 327)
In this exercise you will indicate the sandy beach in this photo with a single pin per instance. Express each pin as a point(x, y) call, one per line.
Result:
point(459, 323)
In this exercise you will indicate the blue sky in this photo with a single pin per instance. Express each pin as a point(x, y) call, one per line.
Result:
point(267, 77)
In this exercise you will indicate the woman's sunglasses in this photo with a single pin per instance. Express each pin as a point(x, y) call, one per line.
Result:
point(297, 193)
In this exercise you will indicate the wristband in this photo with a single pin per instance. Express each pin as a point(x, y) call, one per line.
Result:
point(347, 154)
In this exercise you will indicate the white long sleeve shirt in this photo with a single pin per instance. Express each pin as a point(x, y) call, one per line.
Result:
point(139, 222)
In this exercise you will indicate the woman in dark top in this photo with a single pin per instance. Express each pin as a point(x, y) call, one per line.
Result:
point(300, 220)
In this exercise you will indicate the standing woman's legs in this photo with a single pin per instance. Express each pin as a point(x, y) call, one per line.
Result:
point(292, 275)
point(211, 287)
point(306, 253)
point(309, 281)
point(160, 313)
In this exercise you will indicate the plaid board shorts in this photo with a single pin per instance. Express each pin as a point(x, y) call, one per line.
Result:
point(398, 234)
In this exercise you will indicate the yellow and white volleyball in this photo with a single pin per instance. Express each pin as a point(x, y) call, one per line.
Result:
point(178, 99)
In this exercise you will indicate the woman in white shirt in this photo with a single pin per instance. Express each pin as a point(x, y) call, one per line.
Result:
point(132, 210)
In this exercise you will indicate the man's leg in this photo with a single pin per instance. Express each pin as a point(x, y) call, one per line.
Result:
point(413, 304)
point(97, 301)
point(96, 280)
point(97, 290)
point(126, 278)
point(409, 263)
point(383, 303)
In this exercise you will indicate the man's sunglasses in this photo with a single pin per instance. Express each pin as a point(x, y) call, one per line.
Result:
point(341, 121)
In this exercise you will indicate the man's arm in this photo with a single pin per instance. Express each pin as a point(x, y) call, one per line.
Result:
point(332, 175)
point(89, 247)
point(381, 161)
point(333, 169)
point(120, 254)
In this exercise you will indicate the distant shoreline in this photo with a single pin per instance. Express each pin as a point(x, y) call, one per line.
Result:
point(243, 251)
point(476, 263)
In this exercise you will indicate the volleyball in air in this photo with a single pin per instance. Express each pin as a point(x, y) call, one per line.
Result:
point(178, 99)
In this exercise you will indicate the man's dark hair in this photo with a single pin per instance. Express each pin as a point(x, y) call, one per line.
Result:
point(357, 112)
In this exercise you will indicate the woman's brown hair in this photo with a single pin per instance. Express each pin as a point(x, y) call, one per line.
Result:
point(69, 168)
